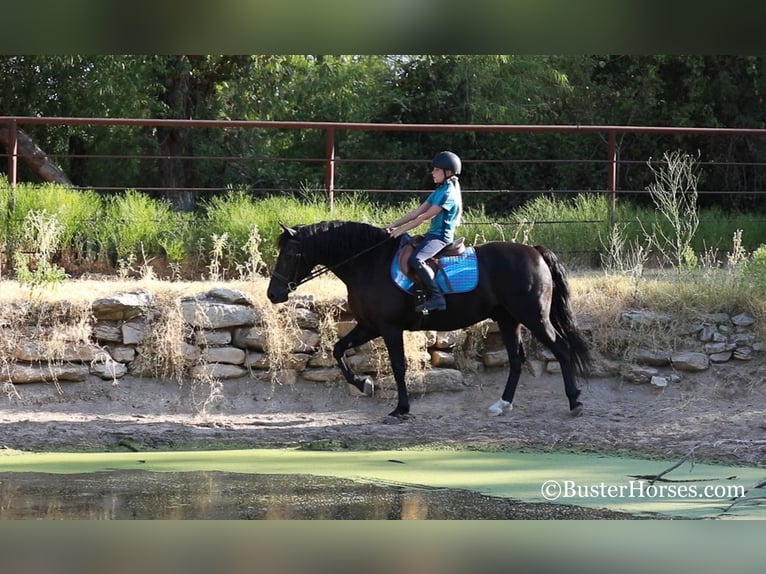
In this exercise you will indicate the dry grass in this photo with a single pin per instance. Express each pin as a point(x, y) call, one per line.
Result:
point(598, 299)
point(78, 290)
point(163, 344)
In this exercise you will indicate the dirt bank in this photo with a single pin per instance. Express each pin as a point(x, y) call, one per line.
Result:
point(720, 410)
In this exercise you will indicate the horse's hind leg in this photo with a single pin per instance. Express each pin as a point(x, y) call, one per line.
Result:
point(357, 336)
point(560, 349)
point(511, 333)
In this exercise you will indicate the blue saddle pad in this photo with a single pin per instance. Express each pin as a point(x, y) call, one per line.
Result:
point(460, 273)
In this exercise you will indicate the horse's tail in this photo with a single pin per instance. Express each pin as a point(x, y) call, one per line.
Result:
point(562, 315)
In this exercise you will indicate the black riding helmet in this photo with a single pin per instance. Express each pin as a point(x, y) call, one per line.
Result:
point(447, 160)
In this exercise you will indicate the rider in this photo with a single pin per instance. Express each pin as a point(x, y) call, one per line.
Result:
point(443, 208)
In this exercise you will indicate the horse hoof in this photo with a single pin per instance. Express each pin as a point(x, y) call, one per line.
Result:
point(577, 411)
point(369, 387)
point(395, 418)
point(499, 408)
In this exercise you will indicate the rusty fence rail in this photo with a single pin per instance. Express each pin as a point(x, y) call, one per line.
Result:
point(330, 161)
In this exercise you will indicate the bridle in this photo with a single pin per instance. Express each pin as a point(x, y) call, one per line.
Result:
point(293, 284)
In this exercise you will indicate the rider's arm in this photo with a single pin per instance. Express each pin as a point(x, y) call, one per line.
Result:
point(425, 212)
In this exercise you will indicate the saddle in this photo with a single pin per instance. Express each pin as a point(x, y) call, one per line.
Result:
point(409, 245)
point(455, 267)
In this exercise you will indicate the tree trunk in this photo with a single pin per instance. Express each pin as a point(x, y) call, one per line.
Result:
point(172, 170)
point(173, 141)
point(35, 157)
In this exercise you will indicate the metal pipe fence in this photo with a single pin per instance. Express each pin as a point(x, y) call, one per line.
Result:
point(330, 160)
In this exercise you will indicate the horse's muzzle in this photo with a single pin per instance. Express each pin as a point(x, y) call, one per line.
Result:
point(277, 294)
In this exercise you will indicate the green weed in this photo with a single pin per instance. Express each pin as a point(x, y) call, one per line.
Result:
point(125, 233)
point(41, 236)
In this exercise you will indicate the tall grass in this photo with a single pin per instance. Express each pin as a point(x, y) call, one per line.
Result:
point(135, 224)
point(586, 218)
point(135, 227)
point(236, 214)
point(75, 211)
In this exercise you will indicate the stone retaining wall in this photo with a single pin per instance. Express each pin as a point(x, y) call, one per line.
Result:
point(225, 336)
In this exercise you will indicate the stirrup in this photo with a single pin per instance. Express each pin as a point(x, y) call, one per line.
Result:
point(433, 304)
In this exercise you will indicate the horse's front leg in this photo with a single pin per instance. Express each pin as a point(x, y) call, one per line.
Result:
point(394, 340)
point(357, 336)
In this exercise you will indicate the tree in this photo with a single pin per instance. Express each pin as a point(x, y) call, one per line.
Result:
point(492, 89)
point(480, 89)
point(189, 88)
point(310, 88)
point(79, 86)
point(697, 91)
point(35, 157)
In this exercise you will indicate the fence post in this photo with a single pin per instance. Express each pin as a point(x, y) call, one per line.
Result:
point(611, 179)
point(13, 153)
point(329, 169)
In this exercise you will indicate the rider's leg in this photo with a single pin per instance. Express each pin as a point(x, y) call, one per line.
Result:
point(434, 299)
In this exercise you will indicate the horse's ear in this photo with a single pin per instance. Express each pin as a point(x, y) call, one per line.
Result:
point(289, 230)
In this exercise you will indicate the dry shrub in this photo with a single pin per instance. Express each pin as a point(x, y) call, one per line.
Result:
point(470, 345)
point(418, 360)
point(328, 313)
point(164, 346)
point(281, 333)
point(51, 326)
point(11, 323)
point(206, 393)
point(598, 302)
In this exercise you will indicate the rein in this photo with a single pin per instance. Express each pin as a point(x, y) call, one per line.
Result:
point(293, 285)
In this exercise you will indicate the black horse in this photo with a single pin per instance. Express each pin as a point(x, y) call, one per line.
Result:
point(517, 285)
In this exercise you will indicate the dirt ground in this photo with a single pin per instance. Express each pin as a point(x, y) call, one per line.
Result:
point(721, 411)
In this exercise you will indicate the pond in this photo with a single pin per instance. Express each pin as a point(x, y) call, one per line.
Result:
point(141, 495)
point(409, 484)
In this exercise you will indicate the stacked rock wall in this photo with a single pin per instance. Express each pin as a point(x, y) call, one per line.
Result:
point(715, 338)
point(222, 335)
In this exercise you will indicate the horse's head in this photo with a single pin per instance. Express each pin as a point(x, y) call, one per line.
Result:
point(290, 268)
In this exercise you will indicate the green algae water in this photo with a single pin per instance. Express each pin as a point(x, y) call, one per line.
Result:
point(420, 484)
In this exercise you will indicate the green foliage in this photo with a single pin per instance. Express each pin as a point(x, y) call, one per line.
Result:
point(75, 213)
point(755, 269)
point(586, 217)
point(236, 234)
point(716, 227)
point(671, 90)
point(674, 90)
point(234, 216)
point(136, 224)
point(177, 236)
point(41, 234)
point(237, 215)
point(82, 86)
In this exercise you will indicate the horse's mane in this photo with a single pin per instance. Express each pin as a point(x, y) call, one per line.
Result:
point(330, 240)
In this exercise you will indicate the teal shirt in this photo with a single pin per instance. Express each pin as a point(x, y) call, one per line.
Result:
point(448, 197)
